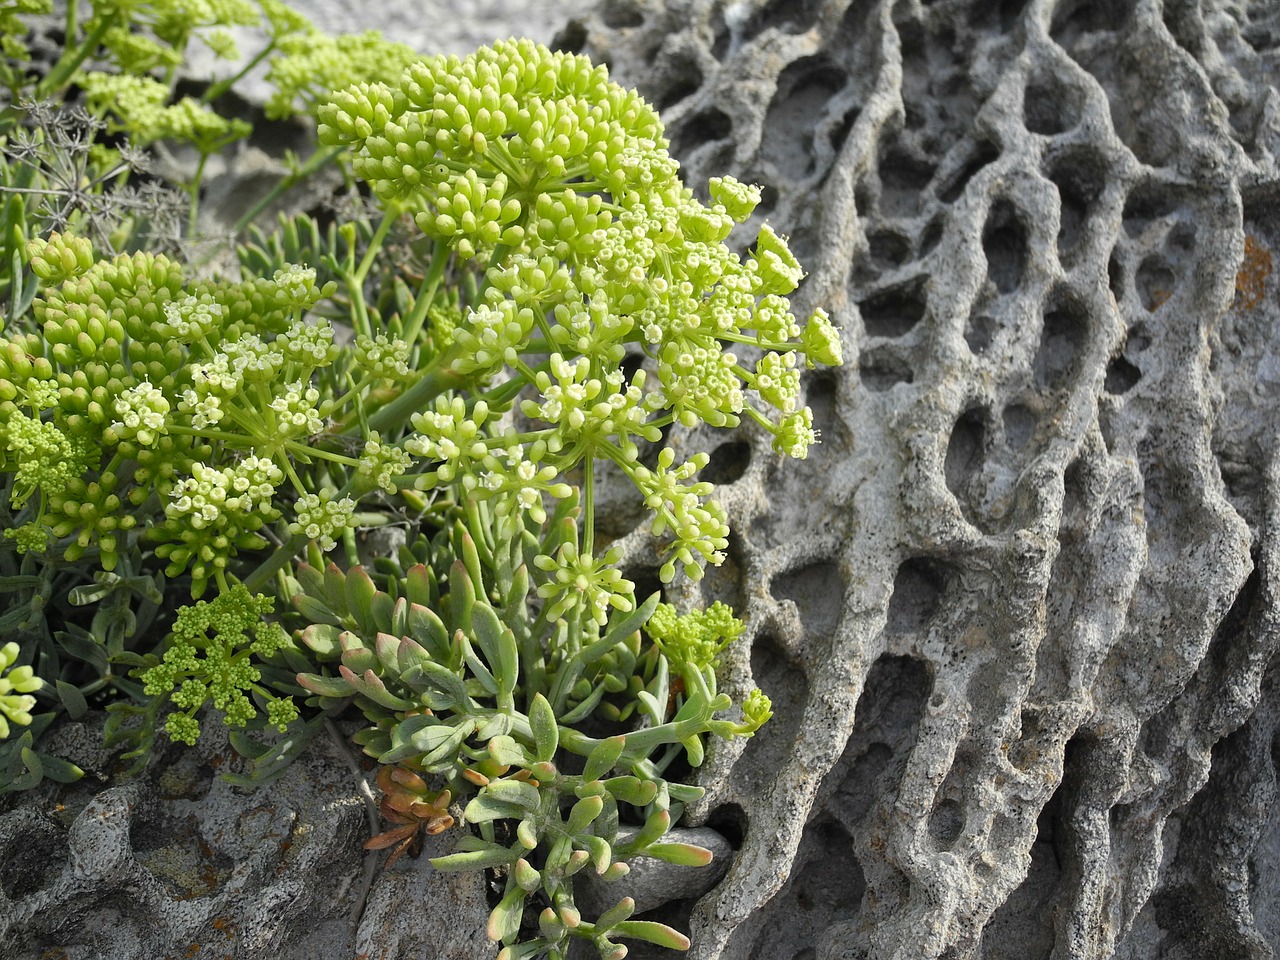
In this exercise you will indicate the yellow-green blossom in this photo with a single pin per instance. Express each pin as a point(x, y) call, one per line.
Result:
point(16, 686)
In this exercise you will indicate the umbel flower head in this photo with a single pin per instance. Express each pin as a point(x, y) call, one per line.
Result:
point(16, 686)
point(538, 164)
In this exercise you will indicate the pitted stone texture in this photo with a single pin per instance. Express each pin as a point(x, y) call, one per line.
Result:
point(178, 863)
point(1016, 612)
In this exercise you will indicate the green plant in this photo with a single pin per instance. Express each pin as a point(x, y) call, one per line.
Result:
point(458, 680)
point(166, 437)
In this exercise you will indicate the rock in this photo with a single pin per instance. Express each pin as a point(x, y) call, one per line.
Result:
point(1018, 613)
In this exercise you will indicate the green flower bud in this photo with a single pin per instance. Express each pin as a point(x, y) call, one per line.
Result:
point(795, 434)
point(821, 341)
point(777, 380)
point(776, 267)
point(16, 685)
point(59, 258)
point(738, 199)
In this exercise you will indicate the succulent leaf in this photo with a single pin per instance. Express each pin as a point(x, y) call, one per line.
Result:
point(603, 757)
point(546, 733)
point(652, 932)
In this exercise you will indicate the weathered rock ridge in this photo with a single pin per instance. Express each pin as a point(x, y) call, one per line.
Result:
point(1018, 613)
point(1019, 610)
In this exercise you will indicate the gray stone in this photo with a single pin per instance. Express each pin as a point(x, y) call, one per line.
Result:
point(1017, 612)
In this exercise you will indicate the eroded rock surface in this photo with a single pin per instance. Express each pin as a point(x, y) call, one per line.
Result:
point(1018, 612)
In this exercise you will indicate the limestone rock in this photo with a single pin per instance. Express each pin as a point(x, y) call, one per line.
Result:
point(1017, 612)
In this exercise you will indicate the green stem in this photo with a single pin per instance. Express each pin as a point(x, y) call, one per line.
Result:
point(500, 252)
point(588, 504)
point(193, 189)
point(304, 450)
point(504, 393)
point(781, 347)
point(222, 86)
point(426, 294)
point(70, 61)
point(318, 159)
point(73, 13)
point(359, 309)
point(375, 244)
point(395, 414)
point(261, 576)
point(329, 409)
point(240, 440)
point(760, 418)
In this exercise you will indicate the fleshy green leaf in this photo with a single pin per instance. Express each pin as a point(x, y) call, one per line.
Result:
point(59, 770)
point(325, 686)
point(507, 751)
point(335, 590)
point(427, 629)
point(684, 854)
point(451, 692)
point(81, 645)
point(417, 585)
point(622, 910)
point(654, 829)
point(514, 791)
point(462, 594)
point(632, 790)
point(652, 932)
point(315, 611)
point(360, 590)
point(621, 629)
point(370, 686)
point(387, 648)
point(485, 807)
point(471, 561)
point(601, 852)
point(428, 736)
point(323, 639)
point(504, 920)
point(583, 812)
point(603, 757)
point(546, 735)
point(246, 746)
point(498, 725)
point(526, 876)
point(31, 760)
point(485, 859)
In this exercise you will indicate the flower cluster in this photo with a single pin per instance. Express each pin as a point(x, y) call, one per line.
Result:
point(312, 63)
point(139, 108)
point(562, 179)
point(210, 658)
point(582, 586)
point(698, 525)
point(59, 257)
point(13, 31)
point(319, 516)
point(16, 686)
point(570, 301)
point(696, 638)
point(202, 397)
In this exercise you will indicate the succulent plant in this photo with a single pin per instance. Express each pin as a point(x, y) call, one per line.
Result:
point(468, 683)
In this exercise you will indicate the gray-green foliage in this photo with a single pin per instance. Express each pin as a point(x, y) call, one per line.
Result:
point(463, 676)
